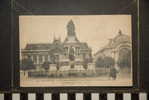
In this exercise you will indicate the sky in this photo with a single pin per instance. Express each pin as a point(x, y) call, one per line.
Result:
point(96, 30)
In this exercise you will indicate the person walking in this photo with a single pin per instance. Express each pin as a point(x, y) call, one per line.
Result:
point(113, 73)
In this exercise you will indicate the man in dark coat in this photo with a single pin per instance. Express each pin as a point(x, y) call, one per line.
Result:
point(113, 73)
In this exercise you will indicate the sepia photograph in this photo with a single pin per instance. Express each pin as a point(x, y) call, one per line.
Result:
point(75, 50)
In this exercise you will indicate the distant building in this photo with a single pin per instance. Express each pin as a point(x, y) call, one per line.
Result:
point(58, 52)
point(119, 48)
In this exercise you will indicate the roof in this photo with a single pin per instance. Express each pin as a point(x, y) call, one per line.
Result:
point(118, 39)
point(82, 45)
point(47, 46)
point(38, 46)
point(71, 39)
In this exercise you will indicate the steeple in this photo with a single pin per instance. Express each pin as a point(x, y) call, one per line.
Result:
point(71, 28)
point(71, 34)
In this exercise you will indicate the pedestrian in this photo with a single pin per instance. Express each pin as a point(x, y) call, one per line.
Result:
point(113, 73)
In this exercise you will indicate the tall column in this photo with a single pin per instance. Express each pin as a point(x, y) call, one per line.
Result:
point(43, 59)
point(116, 54)
point(34, 60)
point(40, 59)
point(37, 59)
point(49, 58)
point(38, 62)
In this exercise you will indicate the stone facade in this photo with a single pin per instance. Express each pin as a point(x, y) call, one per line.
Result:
point(120, 42)
point(70, 52)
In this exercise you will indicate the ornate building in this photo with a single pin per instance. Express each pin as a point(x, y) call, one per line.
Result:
point(58, 52)
point(119, 48)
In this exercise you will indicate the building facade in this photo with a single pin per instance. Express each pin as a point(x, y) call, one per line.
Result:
point(119, 48)
point(63, 53)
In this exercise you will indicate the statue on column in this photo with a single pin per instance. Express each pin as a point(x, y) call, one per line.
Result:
point(71, 57)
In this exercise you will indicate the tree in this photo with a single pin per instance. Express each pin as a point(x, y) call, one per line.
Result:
point(27, 64)
point(99, 62)
point(108, 61)
point(104, 62)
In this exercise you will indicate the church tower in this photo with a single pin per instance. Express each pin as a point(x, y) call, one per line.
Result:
point(71, 28)
point(71, 34)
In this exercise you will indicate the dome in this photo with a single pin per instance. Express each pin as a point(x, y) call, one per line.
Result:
point(118, 39)
point(122, 37)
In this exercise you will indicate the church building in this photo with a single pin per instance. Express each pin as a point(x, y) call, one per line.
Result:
point(71, 51)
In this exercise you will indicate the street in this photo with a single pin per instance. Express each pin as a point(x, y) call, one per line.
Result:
point(79, 81)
